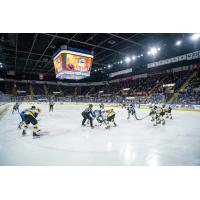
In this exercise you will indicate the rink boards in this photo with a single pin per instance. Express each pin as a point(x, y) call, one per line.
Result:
point(178, 107)
point(3, 108)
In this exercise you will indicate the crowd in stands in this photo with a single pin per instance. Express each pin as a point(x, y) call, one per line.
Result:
point(143, 90)
point(191, 95)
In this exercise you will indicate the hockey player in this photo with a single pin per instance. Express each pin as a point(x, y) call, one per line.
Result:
point(88, 114)
point(22, 116)
point(159, 113)
point(168, 111)
point(30, 116)
point(123, 104)
point(109, 116)
point(15, 108)
point(101, 106)
point(152, 112)
point(51, 104)
point(98, 114)
point(101, 110)
point(131, 110)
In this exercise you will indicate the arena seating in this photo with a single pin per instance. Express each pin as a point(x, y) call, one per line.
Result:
point(144, 90)
point(38, 89)
point(192, 93)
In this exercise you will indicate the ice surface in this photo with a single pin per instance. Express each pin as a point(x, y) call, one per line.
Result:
point(131, 143)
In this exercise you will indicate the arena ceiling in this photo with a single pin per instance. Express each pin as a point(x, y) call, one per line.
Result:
point(32, 53)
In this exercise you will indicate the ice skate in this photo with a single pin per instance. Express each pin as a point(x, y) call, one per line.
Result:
point(35, 135)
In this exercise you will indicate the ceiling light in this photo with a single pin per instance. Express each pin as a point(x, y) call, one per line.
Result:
point(195, 36)
point(178, 43)
point(121, 62)
point(109, 66)
point(153, 51)
point(141, 55)
point(133, 57)
point(127, 59)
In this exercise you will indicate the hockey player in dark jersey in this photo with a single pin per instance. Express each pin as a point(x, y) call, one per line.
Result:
point(88, 114)
point(15, 108)
point(30, 118)
point(131, 110)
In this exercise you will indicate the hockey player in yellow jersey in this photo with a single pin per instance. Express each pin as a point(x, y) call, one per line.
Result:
point(152, 112)
point(30, 116)
point(159, 113)
point(109, 116)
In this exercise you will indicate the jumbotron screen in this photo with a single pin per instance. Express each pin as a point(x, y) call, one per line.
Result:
point(72, 64)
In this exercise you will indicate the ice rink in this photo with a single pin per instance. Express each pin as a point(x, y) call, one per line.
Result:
point(133, 142)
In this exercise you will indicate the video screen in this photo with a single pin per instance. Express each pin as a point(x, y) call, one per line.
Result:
point(72, 65)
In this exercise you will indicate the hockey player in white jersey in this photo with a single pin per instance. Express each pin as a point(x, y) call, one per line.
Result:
point(131, 110)
point(168, 111)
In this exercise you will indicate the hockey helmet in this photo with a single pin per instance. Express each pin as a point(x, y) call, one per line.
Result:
point(90, 105)
point(33, 107)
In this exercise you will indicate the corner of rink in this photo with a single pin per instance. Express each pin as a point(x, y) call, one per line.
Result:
point(3, 108)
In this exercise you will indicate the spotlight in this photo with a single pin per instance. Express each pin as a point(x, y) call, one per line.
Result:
point(121, 62)
point(153, 51)
point(109, 66)
point(195, 36)
point(127, 59)
point(133, 57)
point(141, 55)
point(178, 43)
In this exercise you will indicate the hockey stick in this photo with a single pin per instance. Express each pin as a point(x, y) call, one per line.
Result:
point(142, 118)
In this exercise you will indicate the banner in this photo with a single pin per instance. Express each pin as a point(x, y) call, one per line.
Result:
point(195, 55)
point(183, 57)
point(189, 56)
point(120, 72)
